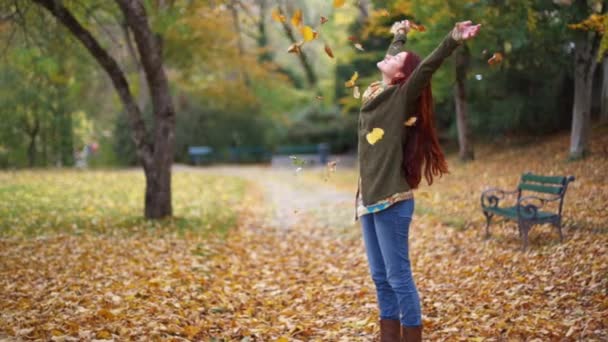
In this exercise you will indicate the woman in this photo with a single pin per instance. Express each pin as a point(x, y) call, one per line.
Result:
point(396, 138)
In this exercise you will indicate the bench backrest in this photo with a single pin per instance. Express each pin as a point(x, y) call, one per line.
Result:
point(551, 185)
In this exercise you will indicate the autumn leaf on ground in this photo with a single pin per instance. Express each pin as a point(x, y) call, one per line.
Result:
point(324, 20)
point(496, 58)
point(359, 47)
point(308, 33)
point(356, 93)
point(296, 20)
point(339, 3)
point(374, 136)
point(295, 47)
point(411, 121)
point(277, 16)
point(328, 51)
point(351, 83)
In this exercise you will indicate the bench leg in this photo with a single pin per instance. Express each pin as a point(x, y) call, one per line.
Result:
point(524, 228)
point(558, 225)
point(488, 220)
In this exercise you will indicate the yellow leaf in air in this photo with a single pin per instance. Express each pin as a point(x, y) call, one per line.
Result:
point(339, 3)
point(351, 83)
point(277, 16)
point(411, 121)
point(296, 20)
point(375, 135)
point(308, 33)
point(356, 93)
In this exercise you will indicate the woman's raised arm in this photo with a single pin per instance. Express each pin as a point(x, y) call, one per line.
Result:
point(421, 76)
point(399, 29)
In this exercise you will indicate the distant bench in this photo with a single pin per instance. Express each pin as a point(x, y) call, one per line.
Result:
point(311, 152)
point(524, 212)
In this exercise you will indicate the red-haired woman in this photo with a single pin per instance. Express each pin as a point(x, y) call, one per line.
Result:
point(392, 158)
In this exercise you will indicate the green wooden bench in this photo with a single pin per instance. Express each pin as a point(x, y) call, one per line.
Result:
point(527, 210)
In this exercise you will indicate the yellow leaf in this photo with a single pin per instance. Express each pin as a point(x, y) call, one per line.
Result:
point(411, 121)
point(104, 335)
point(277, 16)
point(351, 83)
point(308, 33)
point(375, 135)
point(282, 339)
point(339, 3)
point(296, 20)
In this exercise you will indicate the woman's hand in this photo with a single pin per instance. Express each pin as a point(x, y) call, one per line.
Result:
point(402, 27)
point(464, 30)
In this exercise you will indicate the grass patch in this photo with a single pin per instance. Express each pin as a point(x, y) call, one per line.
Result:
point(47, 202)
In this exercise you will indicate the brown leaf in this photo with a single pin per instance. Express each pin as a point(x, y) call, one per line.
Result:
point(328, 51)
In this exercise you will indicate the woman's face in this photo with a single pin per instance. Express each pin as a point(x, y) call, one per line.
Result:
point(390, 66)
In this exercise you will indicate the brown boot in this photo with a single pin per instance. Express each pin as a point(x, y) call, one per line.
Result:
point(411, 334)
point(389, 330)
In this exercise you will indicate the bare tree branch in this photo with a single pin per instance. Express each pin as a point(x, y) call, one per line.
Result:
point(112, 69)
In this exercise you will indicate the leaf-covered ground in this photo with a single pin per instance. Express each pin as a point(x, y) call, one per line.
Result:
point(291, 270)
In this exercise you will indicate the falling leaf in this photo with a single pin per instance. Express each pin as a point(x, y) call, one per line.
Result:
point(496, 58)
point(331, 165)
point(375, 135)
point(328, 51)
point(351, 83)
point(339, 3)
point(411, 121)
point(295, 47)
point(277, 16)
point(319, 97)
point(417, 27)
point(356, 93)
point(384, 12)
point(324, 20)
point(353, 38)
point(308, 33)
point(297, 161)
point(359, 47)
point(296, 20)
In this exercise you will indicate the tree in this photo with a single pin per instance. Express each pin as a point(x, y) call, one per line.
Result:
point(587, 44)
point(155, 156)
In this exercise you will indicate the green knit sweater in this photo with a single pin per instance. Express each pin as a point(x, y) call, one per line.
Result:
point(380, 166)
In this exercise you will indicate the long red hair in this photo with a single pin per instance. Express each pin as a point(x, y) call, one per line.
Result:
point(421, 146)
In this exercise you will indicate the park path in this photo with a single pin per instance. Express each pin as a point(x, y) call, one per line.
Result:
point(292, 198)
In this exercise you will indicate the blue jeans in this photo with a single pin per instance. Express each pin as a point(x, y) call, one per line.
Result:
point(385, 234)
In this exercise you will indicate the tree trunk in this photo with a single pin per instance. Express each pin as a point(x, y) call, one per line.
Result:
point(584, 66)
point(604, 110)
point(156, 157)
point(462, 59)
point(149, 45)
point(32, 133)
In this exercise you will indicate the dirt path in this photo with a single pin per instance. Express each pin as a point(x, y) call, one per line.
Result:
point(293, 199)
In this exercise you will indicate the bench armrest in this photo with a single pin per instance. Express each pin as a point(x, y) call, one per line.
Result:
point(528, 210)
point(491, 196)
